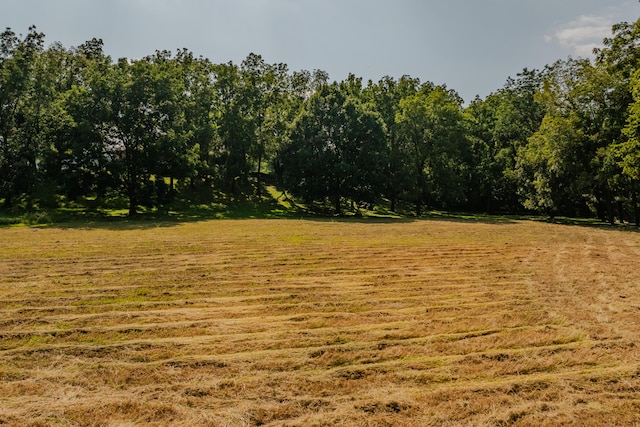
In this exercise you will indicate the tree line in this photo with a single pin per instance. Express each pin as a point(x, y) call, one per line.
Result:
point(77, 125)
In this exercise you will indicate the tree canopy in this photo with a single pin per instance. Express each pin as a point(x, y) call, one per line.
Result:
point(76, 125)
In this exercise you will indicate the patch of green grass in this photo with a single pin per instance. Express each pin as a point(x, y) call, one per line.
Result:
point(31, 218)
point(35, 340)
point(63, 326)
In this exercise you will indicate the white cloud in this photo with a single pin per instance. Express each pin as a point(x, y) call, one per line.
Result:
point(584, 34)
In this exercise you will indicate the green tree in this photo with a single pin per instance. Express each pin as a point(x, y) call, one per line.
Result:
point(174, 153)
point(585, 111)
point(143, 112)
point(498, 127)
point(264, 88)
point(618, 61)
point(20, 105)
point(234, 125)
point(547, 162)
point(299, 87)
point(200, 143)
point(76, 157)
point(628, 151)
point(336, 150)
point(385, 97)
point(553, 168)
point(431, 131)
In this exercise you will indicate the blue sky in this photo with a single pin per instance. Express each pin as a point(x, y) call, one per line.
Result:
point(472, 46)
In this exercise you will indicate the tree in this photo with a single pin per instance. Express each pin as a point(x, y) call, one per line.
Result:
point(336, 150)
point(430, 126)
point(619, 61)
point(174, 153)
point(385, 97)
point(264, 91)
point(143, 110)
point(628, 151)
point(575, 137)
point(300, 85)
point(234, 125)
point(76, 157)
point(498, 127)
point(20, 104)
point(198, 126)
point(546, 161)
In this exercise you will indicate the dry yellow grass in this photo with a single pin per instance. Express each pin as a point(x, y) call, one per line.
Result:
point(320, 323)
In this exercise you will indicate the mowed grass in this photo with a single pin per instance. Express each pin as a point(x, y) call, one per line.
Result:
point(320, 323)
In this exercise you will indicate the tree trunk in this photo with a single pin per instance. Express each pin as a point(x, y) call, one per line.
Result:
point(133, 210)
point(336, 205)
point(5, 155)
point(489, 205)
point(258, 185)
point(610, 212)
point(133, 201)
point(621, 212)
point(636, 208)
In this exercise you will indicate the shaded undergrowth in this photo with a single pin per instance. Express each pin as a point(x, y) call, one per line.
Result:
point(271, 204)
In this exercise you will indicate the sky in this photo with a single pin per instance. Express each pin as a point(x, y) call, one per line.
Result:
point(472, 46)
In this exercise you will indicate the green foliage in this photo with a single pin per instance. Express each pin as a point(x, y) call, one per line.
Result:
point(629, 150)
point(499, 126)
point(432, 142)
point(174, 131)
point(22, 95)
point(544, 166)
point(336, 150)
point(385, 97)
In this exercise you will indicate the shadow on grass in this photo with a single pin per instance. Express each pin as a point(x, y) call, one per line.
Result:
point(84, 215)
point(590, 223)
point(266, 207)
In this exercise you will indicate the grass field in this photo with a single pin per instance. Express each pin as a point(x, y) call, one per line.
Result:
point(319, 323)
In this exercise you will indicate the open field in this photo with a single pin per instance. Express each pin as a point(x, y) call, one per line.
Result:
point(319, 323)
